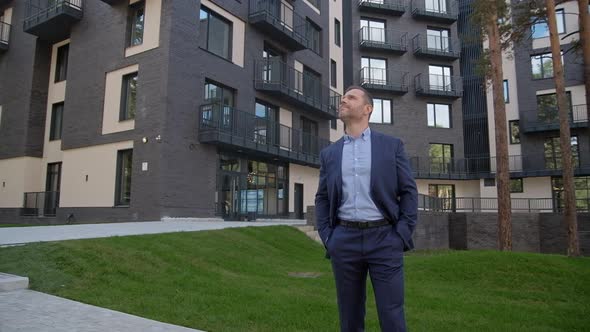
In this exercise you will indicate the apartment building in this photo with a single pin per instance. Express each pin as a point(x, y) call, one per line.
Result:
point(531, 112)
point(144, 109)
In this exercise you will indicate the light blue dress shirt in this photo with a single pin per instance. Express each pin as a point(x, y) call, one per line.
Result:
point(356, 204)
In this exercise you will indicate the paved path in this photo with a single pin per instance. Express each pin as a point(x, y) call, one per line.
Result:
point(21, 235)
point(30, 311)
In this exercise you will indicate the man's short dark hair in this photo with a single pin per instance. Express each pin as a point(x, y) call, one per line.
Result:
point(368, 97)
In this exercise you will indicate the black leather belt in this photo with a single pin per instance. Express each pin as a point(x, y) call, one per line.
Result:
point(364, 224)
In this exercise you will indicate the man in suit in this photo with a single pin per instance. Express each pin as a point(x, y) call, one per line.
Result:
point(366, 209)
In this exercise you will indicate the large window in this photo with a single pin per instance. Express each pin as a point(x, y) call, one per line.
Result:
point(373, 30)
point(552, 149)
point(582, 190)
point(123, 182)
point(542, 65)
point(266, 126)
point(128, 97)
point(309, 134)
point(56, 121)
point(445, 196)
point(215, 33)
point(438, 39)
point(436, 6)
point(381, 111)
point(541, 29)
point(223, 99)
point(61, 68)
point(439, 78)
point(547, 110)
point(441, 157)
point(514, 132)
point(313, 37)
point(374, 71)
point(337, 32)
point(439, 115)
point(137, 21)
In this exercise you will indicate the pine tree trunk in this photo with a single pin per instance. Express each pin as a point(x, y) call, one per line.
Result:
point(502, 171)
point(584, 24)
point(570, 217)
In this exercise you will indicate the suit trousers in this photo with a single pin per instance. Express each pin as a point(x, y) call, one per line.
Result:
point(379, 252)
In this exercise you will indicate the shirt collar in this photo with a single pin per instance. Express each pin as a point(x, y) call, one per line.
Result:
point(366, 135)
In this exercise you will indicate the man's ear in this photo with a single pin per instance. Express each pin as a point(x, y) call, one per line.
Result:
point(368, 109)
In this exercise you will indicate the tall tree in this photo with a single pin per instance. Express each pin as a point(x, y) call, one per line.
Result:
point(490, 16)
point(564, 133)
point(584, 27)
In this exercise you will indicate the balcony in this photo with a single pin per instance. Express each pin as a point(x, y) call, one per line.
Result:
point(547, 119)
point(280, 22)
point(335, 98)
point(387, 7)
point(443, 86)
point(4, 36)
point(243, 131)
point(384, 80)
point(51, 20)
point(305, 90)
point(383, 40)
point(40, 204)
point(528, 165)
point(435, 11)
point(435, 47)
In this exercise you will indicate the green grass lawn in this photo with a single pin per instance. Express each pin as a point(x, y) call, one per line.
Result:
point(238, 280)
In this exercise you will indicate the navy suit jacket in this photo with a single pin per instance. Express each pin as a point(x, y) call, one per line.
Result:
point(393, 189)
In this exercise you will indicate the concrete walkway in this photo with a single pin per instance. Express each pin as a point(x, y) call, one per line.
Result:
point(22, 235)
point(30, 311)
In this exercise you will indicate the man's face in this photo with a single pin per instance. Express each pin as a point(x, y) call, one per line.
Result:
point(353, 106)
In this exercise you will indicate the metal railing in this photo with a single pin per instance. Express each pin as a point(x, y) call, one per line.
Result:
point(40, 10)
point(43, 203)
point(547, 118)
point(246, 128)
point(485, 204)
point(435, 45)
point(531, 163)
point(388, 78)
point(4, 32)
point(335, 98)
point(303, 86)
point(383, 38)
point(438, 84)
point(282, 14)
point(396, 5)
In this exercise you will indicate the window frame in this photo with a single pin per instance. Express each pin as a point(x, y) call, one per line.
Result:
point(558, 12)
point(520, 185)
point(514, 139)
point(337, 32)
point(333, 73)
point(229, 23)
point(312, 30)
point(119, 178)
point(54, 135)
point(133, 10)
point(506, 90)
point(434, 112)
point(61, 63)
point(382, 101)
point(124, 114)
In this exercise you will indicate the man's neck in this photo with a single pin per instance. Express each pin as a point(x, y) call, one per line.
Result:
point(356, 129)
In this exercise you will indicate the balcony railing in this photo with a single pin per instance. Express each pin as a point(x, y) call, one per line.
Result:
point(532, 164)
point(438, 85)
point(306, 90)
point(335, 98)
point(4, 35)
point(226, 126)
point(383, 39)
point(381, 79)
point(51, 20)
point(490, 204)
point(40, 204)
point(389, 7)
point(547, 119)
point(443, 11)
point(435, 47)
point(280, 22)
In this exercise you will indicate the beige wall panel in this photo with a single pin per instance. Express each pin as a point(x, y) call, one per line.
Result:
point(17, 176)
point(238, 33)
point(112, 101)
point(309, 177)
point(151, 33)
point(570, 9)
point(100, 164)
